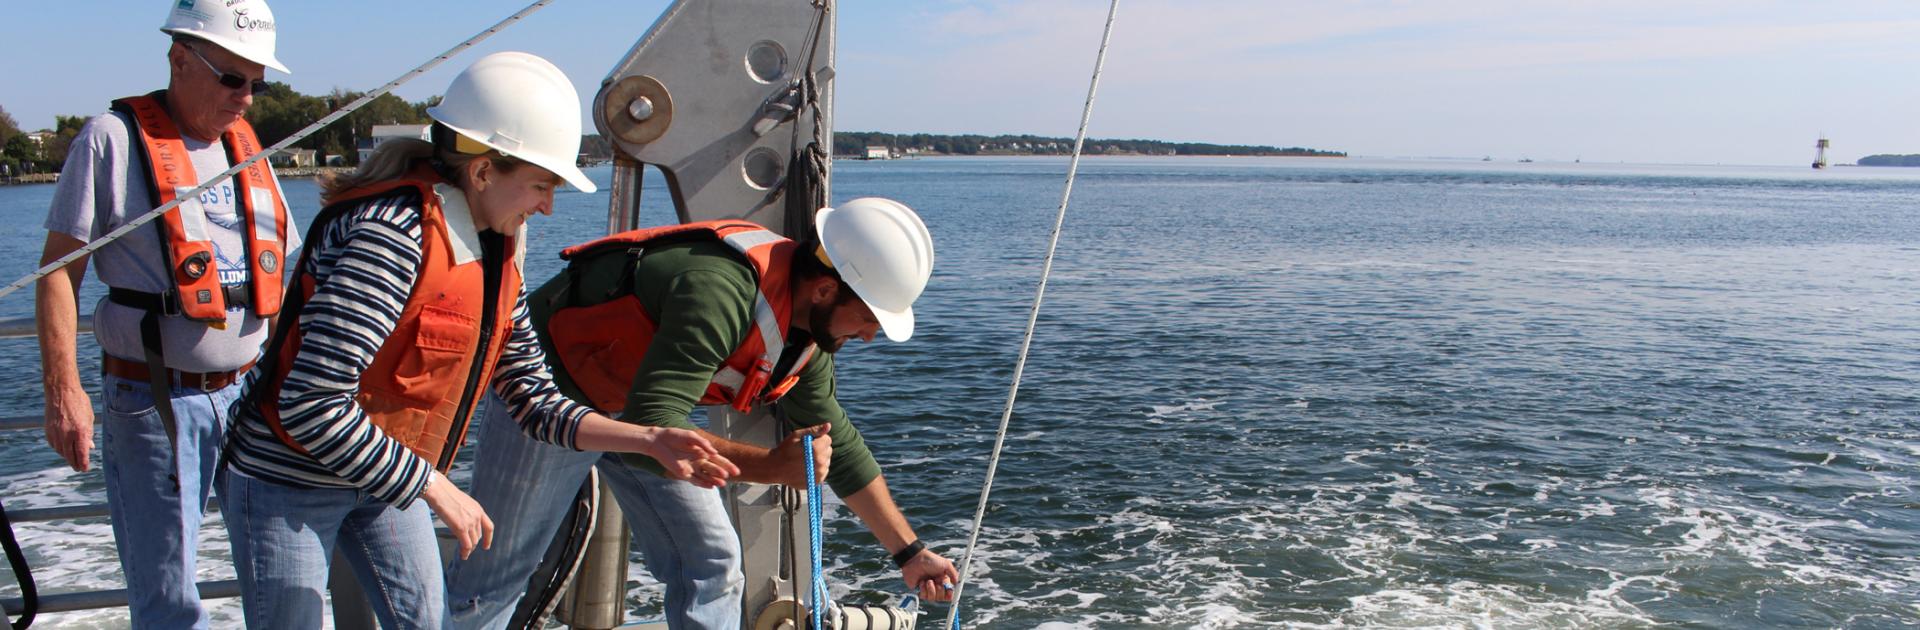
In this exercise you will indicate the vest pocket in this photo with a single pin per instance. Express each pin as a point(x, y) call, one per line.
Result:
point(433, 363)
point(600, 348)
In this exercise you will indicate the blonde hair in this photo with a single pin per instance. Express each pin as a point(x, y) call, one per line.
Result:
point(395, 158)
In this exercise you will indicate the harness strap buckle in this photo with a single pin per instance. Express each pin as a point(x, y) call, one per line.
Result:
point(170, 303)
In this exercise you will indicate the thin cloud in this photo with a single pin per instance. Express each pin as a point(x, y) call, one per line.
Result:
point(1214, 39)
point(1423, 78)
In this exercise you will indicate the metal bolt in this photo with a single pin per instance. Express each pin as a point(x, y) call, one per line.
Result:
point(640, 109)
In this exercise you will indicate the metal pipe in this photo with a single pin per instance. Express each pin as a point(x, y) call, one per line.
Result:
point(623, 210)
point(15, 327)
point(597, 599)
point(58, 513)
point(69, 512)
point(115, 598)
point(351, 610)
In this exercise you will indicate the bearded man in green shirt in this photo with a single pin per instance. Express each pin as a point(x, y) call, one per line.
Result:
point(649, 324)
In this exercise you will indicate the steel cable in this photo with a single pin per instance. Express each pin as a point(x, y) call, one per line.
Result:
point(297, 136)
point(1033, 317)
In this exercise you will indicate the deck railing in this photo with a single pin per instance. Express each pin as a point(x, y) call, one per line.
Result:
point(596, 599)
point(350, 608)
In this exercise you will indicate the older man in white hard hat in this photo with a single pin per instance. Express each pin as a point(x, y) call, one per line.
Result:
point(189, 293)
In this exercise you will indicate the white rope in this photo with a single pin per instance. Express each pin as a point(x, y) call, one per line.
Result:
point(276, 148)
point(1033, 317)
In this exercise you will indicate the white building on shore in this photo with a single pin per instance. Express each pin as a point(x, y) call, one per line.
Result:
point(383, 133)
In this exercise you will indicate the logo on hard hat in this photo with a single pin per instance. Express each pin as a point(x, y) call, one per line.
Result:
point(242, 22)
point(190, 8)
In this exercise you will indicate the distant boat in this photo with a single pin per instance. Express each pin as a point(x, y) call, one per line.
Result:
point(1820, 152)
point(1526, 160)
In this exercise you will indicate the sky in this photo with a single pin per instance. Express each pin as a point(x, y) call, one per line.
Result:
point(1643, 81)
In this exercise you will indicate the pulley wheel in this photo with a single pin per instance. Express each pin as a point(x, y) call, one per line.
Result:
point(780, 612)
point(621, 121)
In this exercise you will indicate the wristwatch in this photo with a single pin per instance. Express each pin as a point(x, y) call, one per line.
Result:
point(906, 554)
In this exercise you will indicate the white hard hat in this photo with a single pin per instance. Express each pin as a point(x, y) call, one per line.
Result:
point(884, 252)
point(243, 27)
point(520, 105)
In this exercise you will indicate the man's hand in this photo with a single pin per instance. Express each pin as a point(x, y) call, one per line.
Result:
point(791, 461)
point(464, 516)
point(930, 574)
point(688, 456)
point(70, 426)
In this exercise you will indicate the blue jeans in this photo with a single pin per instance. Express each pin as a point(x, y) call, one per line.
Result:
point(284, 536)
point(526, 486)
point(156, 526)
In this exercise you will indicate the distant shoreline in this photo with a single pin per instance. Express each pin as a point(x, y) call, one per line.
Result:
point(307, 172)
point(35, 178)
point(302, 172)
point(914, 156)
point(880, 144)
point(311, 172)
point(1892, 159)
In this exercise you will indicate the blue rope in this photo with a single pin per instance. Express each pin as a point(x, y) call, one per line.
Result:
point(819, 594)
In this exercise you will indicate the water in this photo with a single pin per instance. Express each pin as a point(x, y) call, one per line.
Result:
point(1352, 394)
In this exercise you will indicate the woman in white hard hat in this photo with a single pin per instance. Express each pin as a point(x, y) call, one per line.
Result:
point(405, 304)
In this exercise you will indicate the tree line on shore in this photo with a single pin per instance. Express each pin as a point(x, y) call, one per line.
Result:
point(22, 153)
point(1887, 159)
point(278, 113)
point(855, 143)
point(281, 111)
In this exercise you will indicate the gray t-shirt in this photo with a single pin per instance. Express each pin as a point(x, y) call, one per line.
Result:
point(103, 187)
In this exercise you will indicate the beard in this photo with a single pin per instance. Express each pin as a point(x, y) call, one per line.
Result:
point(820, 321)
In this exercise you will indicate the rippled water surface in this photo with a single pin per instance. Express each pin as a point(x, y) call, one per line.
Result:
point(1350, 394)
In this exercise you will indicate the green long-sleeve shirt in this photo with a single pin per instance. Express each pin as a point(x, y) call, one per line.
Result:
point(701, 296)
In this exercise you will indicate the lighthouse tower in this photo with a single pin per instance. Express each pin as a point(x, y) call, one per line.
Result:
point(1820, 153)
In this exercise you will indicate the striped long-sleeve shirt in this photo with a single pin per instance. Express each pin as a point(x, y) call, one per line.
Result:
point(364, 263)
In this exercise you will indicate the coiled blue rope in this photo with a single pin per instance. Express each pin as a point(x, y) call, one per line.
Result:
point(819, 580)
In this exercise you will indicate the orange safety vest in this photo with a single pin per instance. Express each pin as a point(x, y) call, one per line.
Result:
point(601, 344)
point(196, 292)
point(427, 377)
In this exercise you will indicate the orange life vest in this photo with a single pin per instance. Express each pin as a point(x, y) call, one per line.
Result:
point(427, 377)
point(196, 292)
point(601, 344)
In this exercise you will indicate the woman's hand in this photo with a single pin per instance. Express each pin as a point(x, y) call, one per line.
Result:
point(684, 454)
point(469, 523)
point(688, 456)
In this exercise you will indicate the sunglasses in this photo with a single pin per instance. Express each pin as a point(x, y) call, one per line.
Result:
point(230, 80)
